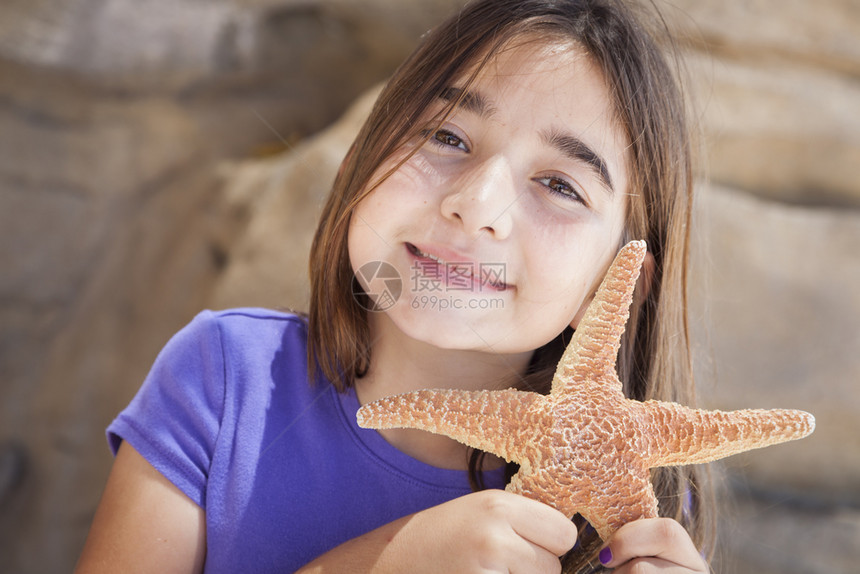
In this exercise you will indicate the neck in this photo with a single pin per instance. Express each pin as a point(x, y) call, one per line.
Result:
point(400, 364)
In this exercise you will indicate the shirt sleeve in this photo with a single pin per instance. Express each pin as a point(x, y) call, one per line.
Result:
point(174, 419)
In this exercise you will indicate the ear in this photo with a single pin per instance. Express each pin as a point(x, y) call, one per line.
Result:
point(643, 287)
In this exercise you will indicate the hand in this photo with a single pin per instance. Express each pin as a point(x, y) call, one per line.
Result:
point(652, 545)
point(483, 532)
point(494, 531)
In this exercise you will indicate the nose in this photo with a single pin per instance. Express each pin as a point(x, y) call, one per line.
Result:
point(482, 199)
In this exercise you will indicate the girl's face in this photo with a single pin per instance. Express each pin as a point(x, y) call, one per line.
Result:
point(503, 223)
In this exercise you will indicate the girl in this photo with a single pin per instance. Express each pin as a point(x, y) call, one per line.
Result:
point(500, 171)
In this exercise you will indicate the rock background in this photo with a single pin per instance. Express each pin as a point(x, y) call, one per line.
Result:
point(156, 158)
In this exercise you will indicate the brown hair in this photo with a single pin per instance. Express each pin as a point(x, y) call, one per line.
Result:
point(654, 362)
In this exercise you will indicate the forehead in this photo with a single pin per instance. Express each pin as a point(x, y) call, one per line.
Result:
point(545, 67)
point(550, 86)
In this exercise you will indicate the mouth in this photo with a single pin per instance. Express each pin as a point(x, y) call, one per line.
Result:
point(460, 274)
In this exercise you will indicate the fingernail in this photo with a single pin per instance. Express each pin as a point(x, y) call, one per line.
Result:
point(605, 556)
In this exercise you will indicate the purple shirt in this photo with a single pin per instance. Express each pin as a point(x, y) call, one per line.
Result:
point(280, 466)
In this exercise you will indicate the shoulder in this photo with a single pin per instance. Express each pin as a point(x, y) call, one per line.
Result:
point(251, 336)
point(252, 317)
point(231, 347)
point(257, 325)
point(228, 332)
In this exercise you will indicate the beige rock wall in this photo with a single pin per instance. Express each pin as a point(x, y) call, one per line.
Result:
point(141, 180)
point(778, 83)
point(781, 321)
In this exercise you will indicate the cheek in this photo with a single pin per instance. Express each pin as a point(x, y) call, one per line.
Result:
point(556, 271)
point(414, 183)
point(567, 263)
point(422, 175)
point(370, 227)
point(388, 211)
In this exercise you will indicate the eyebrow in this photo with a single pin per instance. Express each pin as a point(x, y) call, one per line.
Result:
point(576, 149)
point(569, 145)
point(471, 101)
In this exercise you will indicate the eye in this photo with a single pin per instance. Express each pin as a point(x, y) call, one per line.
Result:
point(560, 187)
point(445, 138)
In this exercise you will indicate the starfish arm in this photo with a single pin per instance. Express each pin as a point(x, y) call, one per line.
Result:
point(623, 498)
point(608, 495)
point(492, 421)
point(679, 435)
point(594, 347)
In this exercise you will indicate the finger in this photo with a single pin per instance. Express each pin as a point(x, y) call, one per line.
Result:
point(661, 538)
point(529, 558)
point(645, 565)
point(545, 526)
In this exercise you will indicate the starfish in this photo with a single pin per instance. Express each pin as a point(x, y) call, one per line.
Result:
point(586, 448)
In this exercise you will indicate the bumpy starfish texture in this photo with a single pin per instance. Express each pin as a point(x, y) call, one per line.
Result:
point(585, 448)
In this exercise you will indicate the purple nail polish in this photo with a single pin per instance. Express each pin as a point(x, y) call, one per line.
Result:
point(605, 556)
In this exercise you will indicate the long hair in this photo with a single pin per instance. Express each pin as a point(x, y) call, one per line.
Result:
point(654, 360)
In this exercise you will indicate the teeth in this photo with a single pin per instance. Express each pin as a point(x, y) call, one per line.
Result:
point(429, 256)
point(433, 257)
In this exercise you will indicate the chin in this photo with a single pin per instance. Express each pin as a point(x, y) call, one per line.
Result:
point(448, 329)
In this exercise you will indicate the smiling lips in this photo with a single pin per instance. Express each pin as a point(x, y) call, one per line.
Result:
point(462, 274)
